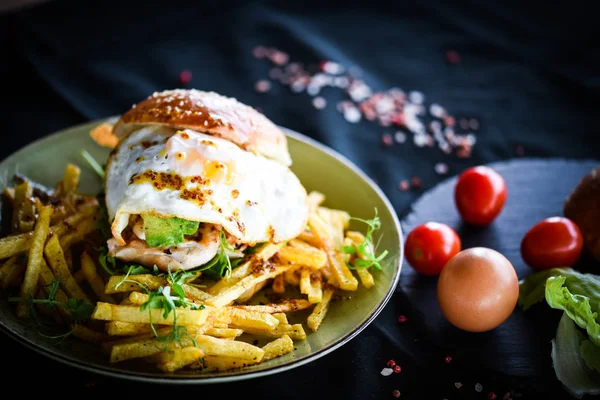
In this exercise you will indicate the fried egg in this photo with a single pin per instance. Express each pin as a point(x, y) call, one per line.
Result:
point(183, 173)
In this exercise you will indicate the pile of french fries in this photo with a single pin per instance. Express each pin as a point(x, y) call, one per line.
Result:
point(57, 238)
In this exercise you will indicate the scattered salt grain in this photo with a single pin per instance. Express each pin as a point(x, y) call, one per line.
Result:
point(441, 168)
point(458, 385)
point(404, 185)
point(478, 387)
point(259, 52)
point(387, 371)
point(396, 393)
point(332, 68)
point(387, 139)
point(262, 86)
point(473, 124)
point(416, 97)
point(319, 103)
point(436, 110)
point(352, 115)
point(463, 123)
point(276, 74)
point(400, 137)
point(313, 90)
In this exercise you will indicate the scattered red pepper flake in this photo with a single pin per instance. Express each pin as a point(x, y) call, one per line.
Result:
point(520, 151)
point(387, 139)
point(262, 86)
point(402, 319)
point(491, 396)
point(397, 369)
point(185, 77)
point(415, 182)
point(452, 56)
point(447, 359)
point(396, 393)
point(404, 185)
point(391, 363)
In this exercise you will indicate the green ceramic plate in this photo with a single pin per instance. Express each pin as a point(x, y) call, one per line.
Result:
point(318, 167)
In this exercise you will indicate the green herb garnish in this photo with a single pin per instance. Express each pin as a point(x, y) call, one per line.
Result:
point(220, 266)
point(93, 163)
point(366, 249)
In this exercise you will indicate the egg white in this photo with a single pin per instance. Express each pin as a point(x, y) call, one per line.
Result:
point(253, 198)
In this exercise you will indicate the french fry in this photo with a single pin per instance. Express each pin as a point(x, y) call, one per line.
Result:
point(243, 319)
point(309, 238)
point(88, 267)
point(278, 285)
point(69, 259)
point(295, 331)
point(121, 283)
point(15, 244)
point(68, 185)
point(281, 317)
point(209, 345)
point(352, 239)
point(36, 255)
point(27, 215)
point(112, 312)
point(337, 221)
point(224, 333)
point(310, 285)
point(195, 294)
point(290, 277)
point(22, 192)
point(79, 276)
point(278, 347)
point(302, 254)
point(315, 199)
point(77, 233)
point(344, 277)
point(315, 319)
point(89, 335)
point(220, 363)
point(178, 358)
point(120, 328)
point(11, 271)
point(56, 261)
point(230, 294)
point(262, 254)
point(247, 295)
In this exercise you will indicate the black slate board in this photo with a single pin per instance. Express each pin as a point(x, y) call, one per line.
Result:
point(520, 347)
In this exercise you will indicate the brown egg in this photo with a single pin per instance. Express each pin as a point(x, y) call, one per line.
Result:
point(478, 289)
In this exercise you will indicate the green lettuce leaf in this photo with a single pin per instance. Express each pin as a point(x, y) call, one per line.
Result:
point(569, 365)
point(577, 306)
point(165, 232)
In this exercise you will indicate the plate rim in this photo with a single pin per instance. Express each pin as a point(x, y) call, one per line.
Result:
point(182, 379)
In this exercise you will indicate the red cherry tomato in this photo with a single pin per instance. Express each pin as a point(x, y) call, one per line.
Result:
point(552, 243)
point(429, 246)
point(479, 195)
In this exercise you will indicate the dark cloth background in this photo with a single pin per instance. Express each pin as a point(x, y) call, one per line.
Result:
point(528, 72)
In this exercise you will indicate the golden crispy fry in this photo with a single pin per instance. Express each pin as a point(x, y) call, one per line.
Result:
point(247, 295)
point(120, 328)
point(220, 363)
point(230, 294)
point(291, 277)
point(88, 267)
point(22, 192)
point(309, 238)
point(11, 272)
point(315, 319)
point(262, 254)
point(344, 277)
point(70, 181)
point(89, 335)
point(195, 294)
point(178, 358)
point(56, 261)
point(310, 285)
point(352, 239)
point(224, 333)
point(9, 195)
point(295, 331)
point(303, 254)
point(315, 199)
point(34, 262)
point(337, 222)
point(119, 283)
point(278, 285)
point(77, 233)
point(281, 317)
point(15, 244)
point(278, 347)
point(286, 305)
point(243, 319)
point(27, 215)
point(112, 312)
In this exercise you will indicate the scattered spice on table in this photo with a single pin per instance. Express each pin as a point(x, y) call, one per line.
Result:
point(478, 387)
point(185, 77)
point(396, 393)
point(447, 359)
point(389, 107)
point(402, 319)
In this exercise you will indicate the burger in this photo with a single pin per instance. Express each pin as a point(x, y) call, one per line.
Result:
point(197, 176)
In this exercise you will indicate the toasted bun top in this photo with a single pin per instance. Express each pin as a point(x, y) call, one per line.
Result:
point(210, 113)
